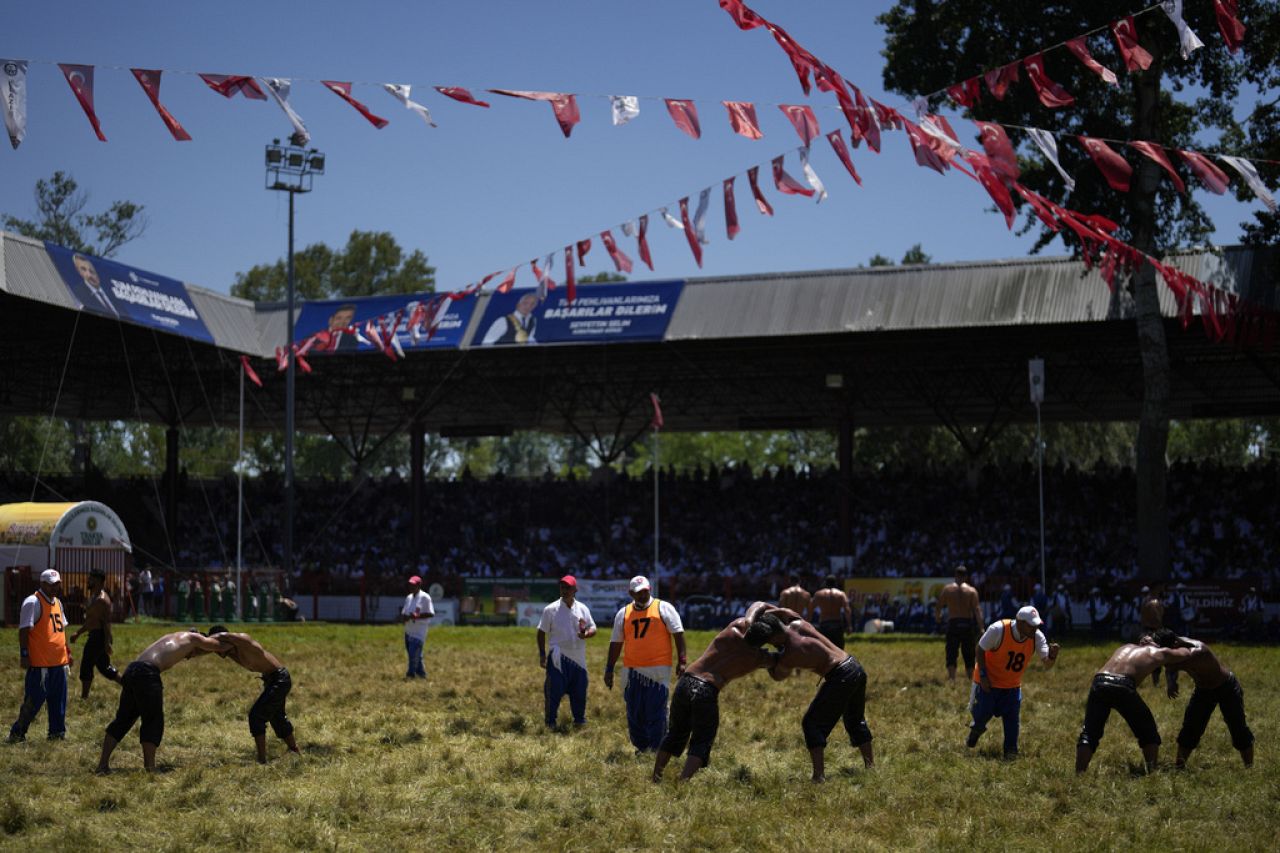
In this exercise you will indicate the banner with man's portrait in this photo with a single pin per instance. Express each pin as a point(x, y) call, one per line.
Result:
point(600, 313)
point(349, 320)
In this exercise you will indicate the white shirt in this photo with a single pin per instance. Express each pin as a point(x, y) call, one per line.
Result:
point(417, 602)
point(560, 623)
point(144, 580)
point(990, 639)
point(670, 618)
point(31, 609)
point(499, 327)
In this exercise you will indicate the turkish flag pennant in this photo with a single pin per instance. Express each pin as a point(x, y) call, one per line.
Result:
point(1080, 49)
point(282, 360)
point(656, 423)
point(620, 259)
point(999, 150)
point(731, 227)
point(993, 183)
point(803, 120)
point(584, 246)
point(1229, 23)
point(80, 79)
point(801, 60)
point(786, 184)
point(343, 90)
point(867, 124)
point(565, 106)
point(302, 363)
point(742, 118)
point(249, 372)
point(842, 151)
point(1114, 168)
point(1000, 79)
point(886, 116)
point(1052, 95)
point(966, 94)
point(1156, 153)
point(507, 282)
point(570, 278)
point(1214, 179)
point(694, 245)
point(742, 16)
point(227, 85)
point(149, 80)
point(460, 94)
point(1040, 206)
point(941, 137)
point(925, 155)
point(685, 115)
point(545, 281)
point(753, 178)
point(642, 240)
point(1135, 55)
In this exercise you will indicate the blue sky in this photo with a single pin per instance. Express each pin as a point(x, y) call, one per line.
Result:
point(487, 189)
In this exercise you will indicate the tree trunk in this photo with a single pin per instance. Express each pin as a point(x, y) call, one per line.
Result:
point(1153, 427)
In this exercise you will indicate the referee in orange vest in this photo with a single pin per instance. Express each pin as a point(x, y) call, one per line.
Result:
point(42, 643)
point(642, 632)
point(1004, 651)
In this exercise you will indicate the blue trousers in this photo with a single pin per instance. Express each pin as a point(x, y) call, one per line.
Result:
point(1005, 703)
point(568, 678)
point(44, 684)
point(413, 646)
point(646, 712)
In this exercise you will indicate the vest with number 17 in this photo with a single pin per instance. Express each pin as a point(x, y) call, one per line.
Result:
point(645, 638)
point(47, 639)
point(1006, 663)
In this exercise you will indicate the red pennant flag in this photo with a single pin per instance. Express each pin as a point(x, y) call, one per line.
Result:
point(801, 60)
point(785, 183)
point(249, 372)
point(300, 361)
point(1214, 179)
point(1229, 23)
point(507, 283)
point(730, 209)
point(460, 94)
point(642, 239)
point(80, 79)
point(570, 279)
point(1114, 168)
point(282, 360)
point(993, 184)
point(966, 94)
point(753, 177)
point(1156, 153)
point(924, 153)
point(1080, 49)
point(149, 80)
point(545, 281)
point(886, 116)
point(620, 259)
point(1135, 56)
point(584, 246)
point(689, 234)
point(803, 120)
point(1040, 206)
point(565, 106)
point(837, 143)
point(343, 90)
point(227, 85)
point(685, 115)
point(657, 422)
point(1000, 79)
point(867, 124)
point(742, 118)
point(742, 16)
point(999, 150)
point(1052, 95)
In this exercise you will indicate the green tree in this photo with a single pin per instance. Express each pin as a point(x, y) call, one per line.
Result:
point(604, 277)
point(932, 45)
point(371, 264)
point(916, 255)
point(60, 219)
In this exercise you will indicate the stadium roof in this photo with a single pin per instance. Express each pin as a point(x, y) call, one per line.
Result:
point(945, 343)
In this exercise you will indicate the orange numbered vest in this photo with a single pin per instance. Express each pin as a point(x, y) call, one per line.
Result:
point(1010, 658)
point(645, 638)
point(47, 639)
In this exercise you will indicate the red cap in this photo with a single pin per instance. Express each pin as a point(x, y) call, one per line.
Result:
point(570, 580)
point(416, 579)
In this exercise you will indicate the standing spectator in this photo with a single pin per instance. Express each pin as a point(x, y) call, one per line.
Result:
point(1179, 611)
point(643, 632)
point(1251, 610)
point(1099, 613)
point(916, 615)
point(1060, 612)
point(570, 625)
point(42, 649)
point(1006, 648)
point(1039, 599)
point(1008, 604)
point(795, 597)
point(145, 591)
point(415, 614)
point(831, 607)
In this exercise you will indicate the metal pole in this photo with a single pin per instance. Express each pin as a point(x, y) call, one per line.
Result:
point(1040, 466)
point(240, 510)
point(654, 580)
point(287, 562)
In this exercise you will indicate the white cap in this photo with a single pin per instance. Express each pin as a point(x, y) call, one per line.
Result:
point(50, 576)
point(1031, 615)
point(639, 582)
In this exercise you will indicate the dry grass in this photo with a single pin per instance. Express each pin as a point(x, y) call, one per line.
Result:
point(463, 761)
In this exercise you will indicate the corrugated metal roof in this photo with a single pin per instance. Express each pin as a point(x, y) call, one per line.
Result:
point(233, 322)
point(29, 273)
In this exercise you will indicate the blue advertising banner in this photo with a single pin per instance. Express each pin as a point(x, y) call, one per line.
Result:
point(115, 290)
point(337, 314)
point(600, 313)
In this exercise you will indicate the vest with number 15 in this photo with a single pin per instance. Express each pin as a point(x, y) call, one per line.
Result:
point(1006, 663)
point(645, 638)
point(47, 639)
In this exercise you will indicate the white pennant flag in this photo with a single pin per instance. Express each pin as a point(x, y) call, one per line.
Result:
point(1251, 177)
point(629, 228)
point(625, 108)
point(1188, 40)
point(700, 216)
point(811, 176)
point(671, 221)
point(278, 88)
point(1045, 141)
point(13, 88)
point(400, 91)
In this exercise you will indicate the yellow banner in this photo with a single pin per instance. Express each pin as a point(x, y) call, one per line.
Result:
point(30, 523)
point(927, 588)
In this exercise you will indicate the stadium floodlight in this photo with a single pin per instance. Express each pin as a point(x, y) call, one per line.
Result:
point(315, 162)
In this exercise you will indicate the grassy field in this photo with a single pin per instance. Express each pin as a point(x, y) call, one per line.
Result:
point(463, 761)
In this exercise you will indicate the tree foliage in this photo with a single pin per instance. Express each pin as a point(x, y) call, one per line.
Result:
point(371, 264)
point(61, 219)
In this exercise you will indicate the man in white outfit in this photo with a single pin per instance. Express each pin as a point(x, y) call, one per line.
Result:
point(643, 632)
point(569, 624)
point(415, 614)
